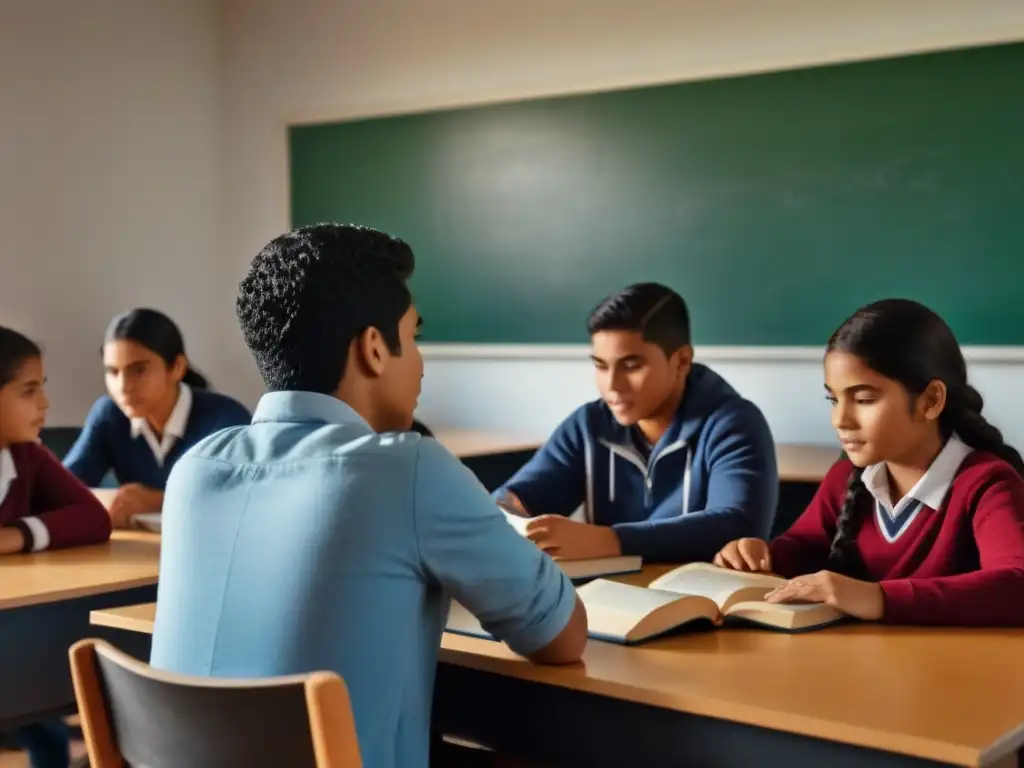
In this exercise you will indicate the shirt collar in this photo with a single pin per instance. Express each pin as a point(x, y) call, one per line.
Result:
point(931, 489)
point(177, 422)
point(307, 407)
point(8, 469)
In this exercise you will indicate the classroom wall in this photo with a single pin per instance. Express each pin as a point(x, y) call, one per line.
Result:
point(302, 59)
point(109, 177)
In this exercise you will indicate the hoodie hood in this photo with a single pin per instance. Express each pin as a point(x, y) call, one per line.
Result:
point(705, 393)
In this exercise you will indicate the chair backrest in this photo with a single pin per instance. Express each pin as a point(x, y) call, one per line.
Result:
point(59, 439)
point(134, 715)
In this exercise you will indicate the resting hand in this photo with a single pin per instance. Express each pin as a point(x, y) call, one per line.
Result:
point(131, 500)
point(744, 555)
point(860, 599)
point(561, 537)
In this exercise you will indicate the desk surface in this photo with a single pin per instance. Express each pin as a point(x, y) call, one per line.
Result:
point(467, 443)
point(805, 463)
point(130, 559)
point(951, 695)
point(797, 462)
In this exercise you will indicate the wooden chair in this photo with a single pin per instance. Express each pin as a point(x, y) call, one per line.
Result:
point(134, 715)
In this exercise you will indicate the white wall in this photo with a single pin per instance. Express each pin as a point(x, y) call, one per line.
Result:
point(109, 176)
point(305, 59)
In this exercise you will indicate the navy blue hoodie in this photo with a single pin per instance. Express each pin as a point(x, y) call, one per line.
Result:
point(710, 479)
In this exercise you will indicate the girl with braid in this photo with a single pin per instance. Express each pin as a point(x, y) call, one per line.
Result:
point(923, 521)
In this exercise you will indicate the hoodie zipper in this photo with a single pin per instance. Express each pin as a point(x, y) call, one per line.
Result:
point(647, 469)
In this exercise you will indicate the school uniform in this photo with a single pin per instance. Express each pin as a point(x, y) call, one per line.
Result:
point(950, 552)
point(50, 507)
point(308, 541)
point(711, 478)
point(129, 447)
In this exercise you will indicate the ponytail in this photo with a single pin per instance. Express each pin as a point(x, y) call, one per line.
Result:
point(963, 416)
point(843, 556)
point(195, 379)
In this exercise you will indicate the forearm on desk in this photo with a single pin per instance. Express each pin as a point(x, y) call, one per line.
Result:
point(12, 540)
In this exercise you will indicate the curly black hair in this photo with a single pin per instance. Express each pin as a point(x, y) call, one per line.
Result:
point(311, 292)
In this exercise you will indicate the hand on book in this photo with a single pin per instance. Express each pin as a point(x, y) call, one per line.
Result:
point(861, 599)
point(744, 555)
point(561, 537)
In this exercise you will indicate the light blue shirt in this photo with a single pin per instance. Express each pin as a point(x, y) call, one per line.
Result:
point(307, 541)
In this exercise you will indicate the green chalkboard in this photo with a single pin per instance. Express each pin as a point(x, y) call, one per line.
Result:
point(775, 203)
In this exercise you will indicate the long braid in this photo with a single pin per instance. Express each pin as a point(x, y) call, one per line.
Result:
point(966, 420)
point(843, 556)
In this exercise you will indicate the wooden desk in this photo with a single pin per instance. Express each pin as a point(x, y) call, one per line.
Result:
point(805, 463)
point(798, 463)
point(45, 601)
point(130, 559)
point(472, 443)
point(850, 695)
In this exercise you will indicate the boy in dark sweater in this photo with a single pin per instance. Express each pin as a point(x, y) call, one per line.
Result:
point(671, 463)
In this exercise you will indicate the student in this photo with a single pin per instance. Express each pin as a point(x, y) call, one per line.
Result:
point(328, 536)
point(157, 408)
point(670, 464)
point(923, 522)
point(42, 505)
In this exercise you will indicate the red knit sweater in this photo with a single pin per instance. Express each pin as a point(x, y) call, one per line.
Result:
point(52, 497)
point(962, 564)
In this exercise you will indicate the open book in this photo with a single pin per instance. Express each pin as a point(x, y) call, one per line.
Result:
point(588, 568)
point(693, 593)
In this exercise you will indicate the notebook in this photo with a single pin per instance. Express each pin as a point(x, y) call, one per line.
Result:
point(694, 593)
point(588, 568)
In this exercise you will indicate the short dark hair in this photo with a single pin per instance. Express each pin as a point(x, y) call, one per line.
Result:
point(657, 312)
point(159, 334)
point(15, 351)
point(311, 292)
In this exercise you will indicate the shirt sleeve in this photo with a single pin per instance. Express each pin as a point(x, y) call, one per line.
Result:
point(743, 490)
point(65, 512)
point(516, 591)
point(553, 481)
point(805, 546)
point(991, 596)
point(89, 458)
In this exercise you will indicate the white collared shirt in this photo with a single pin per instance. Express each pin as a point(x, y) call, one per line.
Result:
point(8, 472)
point(930, 491)
point(174, 429)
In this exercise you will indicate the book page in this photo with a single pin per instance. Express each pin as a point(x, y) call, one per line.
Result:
point(614, 608)
point(786, 615)
point(718, 584)
point(517, 522)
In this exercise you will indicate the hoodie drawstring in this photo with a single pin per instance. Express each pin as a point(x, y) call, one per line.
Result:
point(611, 475)
point(687, 474)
